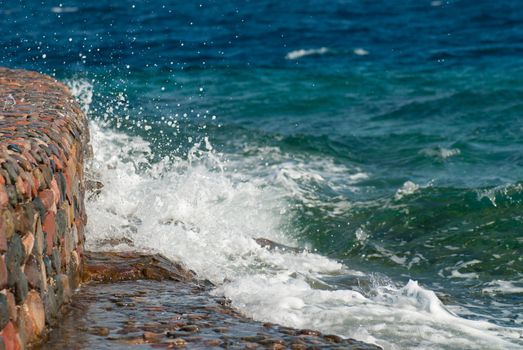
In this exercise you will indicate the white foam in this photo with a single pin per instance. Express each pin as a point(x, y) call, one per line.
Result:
point(407, 189)
point(293, 55)
point(441, 152)
point(64, 9)
point(504, 287)
point(205, 212)
point(360, 52)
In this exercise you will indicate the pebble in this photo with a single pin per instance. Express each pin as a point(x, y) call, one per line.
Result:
point(152, 337)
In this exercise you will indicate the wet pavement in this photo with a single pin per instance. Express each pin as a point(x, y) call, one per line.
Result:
point(166, 312)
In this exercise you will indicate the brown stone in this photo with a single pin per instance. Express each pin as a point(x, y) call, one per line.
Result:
point(35, 308)
point(49, 227)
point(101, 331)
point(3, 273)
point(178, 342)
point(7, 225)
point(11, 306)
point(64, 290)
point(32, 271)
point(309, 332)
point(47, 198)
point(4, 198)
point(3, 240)
point(28, 242)
point(56, 191)
point(152, 337)
point(39, 242)
point(24, 218)
point(9, 336)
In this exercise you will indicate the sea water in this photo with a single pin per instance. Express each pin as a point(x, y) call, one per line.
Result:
point(381, 138)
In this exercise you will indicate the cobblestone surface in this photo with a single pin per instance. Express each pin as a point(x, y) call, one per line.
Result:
point(151, 303)
point(43, 141)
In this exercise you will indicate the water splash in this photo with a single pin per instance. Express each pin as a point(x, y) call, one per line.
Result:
point(198, 209)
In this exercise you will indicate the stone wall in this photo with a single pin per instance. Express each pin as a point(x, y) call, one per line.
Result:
point(43, 141)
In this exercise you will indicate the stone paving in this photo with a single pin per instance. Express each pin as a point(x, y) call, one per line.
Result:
point(143, 301)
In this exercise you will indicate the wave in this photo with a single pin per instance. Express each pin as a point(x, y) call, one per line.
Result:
point(207, 209)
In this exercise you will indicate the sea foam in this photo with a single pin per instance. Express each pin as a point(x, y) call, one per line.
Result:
point(293, 55)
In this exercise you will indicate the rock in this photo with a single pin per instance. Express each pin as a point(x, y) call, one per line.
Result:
point(3, 273)
point(39, 242)
point(24, 218)
point(178, 342)
point(35, 315)
point(21, 287)
point(33, 273)
point(152, 337)
point(39, 207)
point(56, 260)
point(7, 225)
point(101, 331)
point(4, 198)
point(56, 191)
point(309, 332)
point(63, 290)
point(50, 304)
point(61, 222)
point(46, 197)
point(333, 338)
point(3, 238)
point(48, 264)
point(4, 311)
point(190, 328)
point(11, 306)
point(28, 241)
point(49, 227)
point(9, 337)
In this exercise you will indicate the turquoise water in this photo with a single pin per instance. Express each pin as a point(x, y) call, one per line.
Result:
point(382, 136)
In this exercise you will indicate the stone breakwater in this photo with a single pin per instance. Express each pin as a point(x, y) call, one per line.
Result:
point(43, 141)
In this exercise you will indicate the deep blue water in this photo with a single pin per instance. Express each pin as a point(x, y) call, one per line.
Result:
point(422, 99)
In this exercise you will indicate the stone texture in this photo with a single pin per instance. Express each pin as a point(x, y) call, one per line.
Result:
point(3, 273)
point(44, 139)
point(10, 338)
point(4, 311)
point(35, 308)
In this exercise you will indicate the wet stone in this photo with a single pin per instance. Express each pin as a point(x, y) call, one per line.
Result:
point(189, 317)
